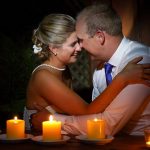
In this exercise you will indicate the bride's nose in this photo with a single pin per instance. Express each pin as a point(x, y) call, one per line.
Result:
point(78, 48)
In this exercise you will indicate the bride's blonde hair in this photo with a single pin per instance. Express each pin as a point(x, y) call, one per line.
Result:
point(53, 30)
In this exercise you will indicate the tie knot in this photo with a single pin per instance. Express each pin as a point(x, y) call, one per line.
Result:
point(108, 67)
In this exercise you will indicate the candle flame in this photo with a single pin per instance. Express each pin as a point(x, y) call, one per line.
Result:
point(15, 118)
point(95, 119)
point(51, 118)
point(148, 143)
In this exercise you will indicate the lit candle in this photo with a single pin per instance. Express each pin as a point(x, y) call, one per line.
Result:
point(147, 137)
point(15, 129)
point(148, 144)
point(51, 129)
point(96, 129)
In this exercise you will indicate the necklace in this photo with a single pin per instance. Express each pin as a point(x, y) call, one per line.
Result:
point(56, 68)
point(50, 66)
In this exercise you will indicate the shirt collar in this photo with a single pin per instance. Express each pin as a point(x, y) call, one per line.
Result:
point(116, 58)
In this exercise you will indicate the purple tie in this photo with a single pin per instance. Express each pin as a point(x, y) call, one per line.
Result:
point(108, 69)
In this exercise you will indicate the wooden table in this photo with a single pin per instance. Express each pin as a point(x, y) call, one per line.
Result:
point(122, 142)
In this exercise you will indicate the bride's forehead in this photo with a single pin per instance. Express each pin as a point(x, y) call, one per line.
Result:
point(73, 36)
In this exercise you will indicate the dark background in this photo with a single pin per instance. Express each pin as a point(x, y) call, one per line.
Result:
point(20, 17)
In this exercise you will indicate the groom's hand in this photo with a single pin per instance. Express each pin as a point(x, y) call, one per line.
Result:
point(38, 118)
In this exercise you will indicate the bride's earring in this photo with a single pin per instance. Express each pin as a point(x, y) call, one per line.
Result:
point(52, 49)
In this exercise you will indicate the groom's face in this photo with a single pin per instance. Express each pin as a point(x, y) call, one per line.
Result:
point(91, 44)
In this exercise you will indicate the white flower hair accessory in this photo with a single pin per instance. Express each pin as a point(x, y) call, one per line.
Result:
point(37, 49)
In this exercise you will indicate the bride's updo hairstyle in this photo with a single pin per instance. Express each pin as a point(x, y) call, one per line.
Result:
point(53, 30)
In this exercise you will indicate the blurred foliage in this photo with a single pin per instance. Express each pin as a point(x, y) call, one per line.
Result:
point(16, 64)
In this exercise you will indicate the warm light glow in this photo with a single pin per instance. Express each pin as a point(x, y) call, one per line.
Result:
point(96, 129)
point(50, 118)
point(95, 119)
point(15, 118)
point(51, 129)
point(15, 128)
point(147, 137)
point(148, 142)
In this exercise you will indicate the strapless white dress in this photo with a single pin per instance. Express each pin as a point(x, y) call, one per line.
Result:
point(27, 116)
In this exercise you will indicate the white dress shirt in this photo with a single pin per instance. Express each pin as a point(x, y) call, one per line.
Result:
point(128, 111)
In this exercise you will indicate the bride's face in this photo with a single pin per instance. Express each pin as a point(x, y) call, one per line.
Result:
point(70, 49)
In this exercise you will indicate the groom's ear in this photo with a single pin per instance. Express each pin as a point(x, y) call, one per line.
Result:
point(100, 36)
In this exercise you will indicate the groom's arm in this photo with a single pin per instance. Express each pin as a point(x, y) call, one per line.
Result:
point(38, 118)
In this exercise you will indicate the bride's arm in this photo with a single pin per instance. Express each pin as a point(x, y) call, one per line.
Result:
point(58, 94)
